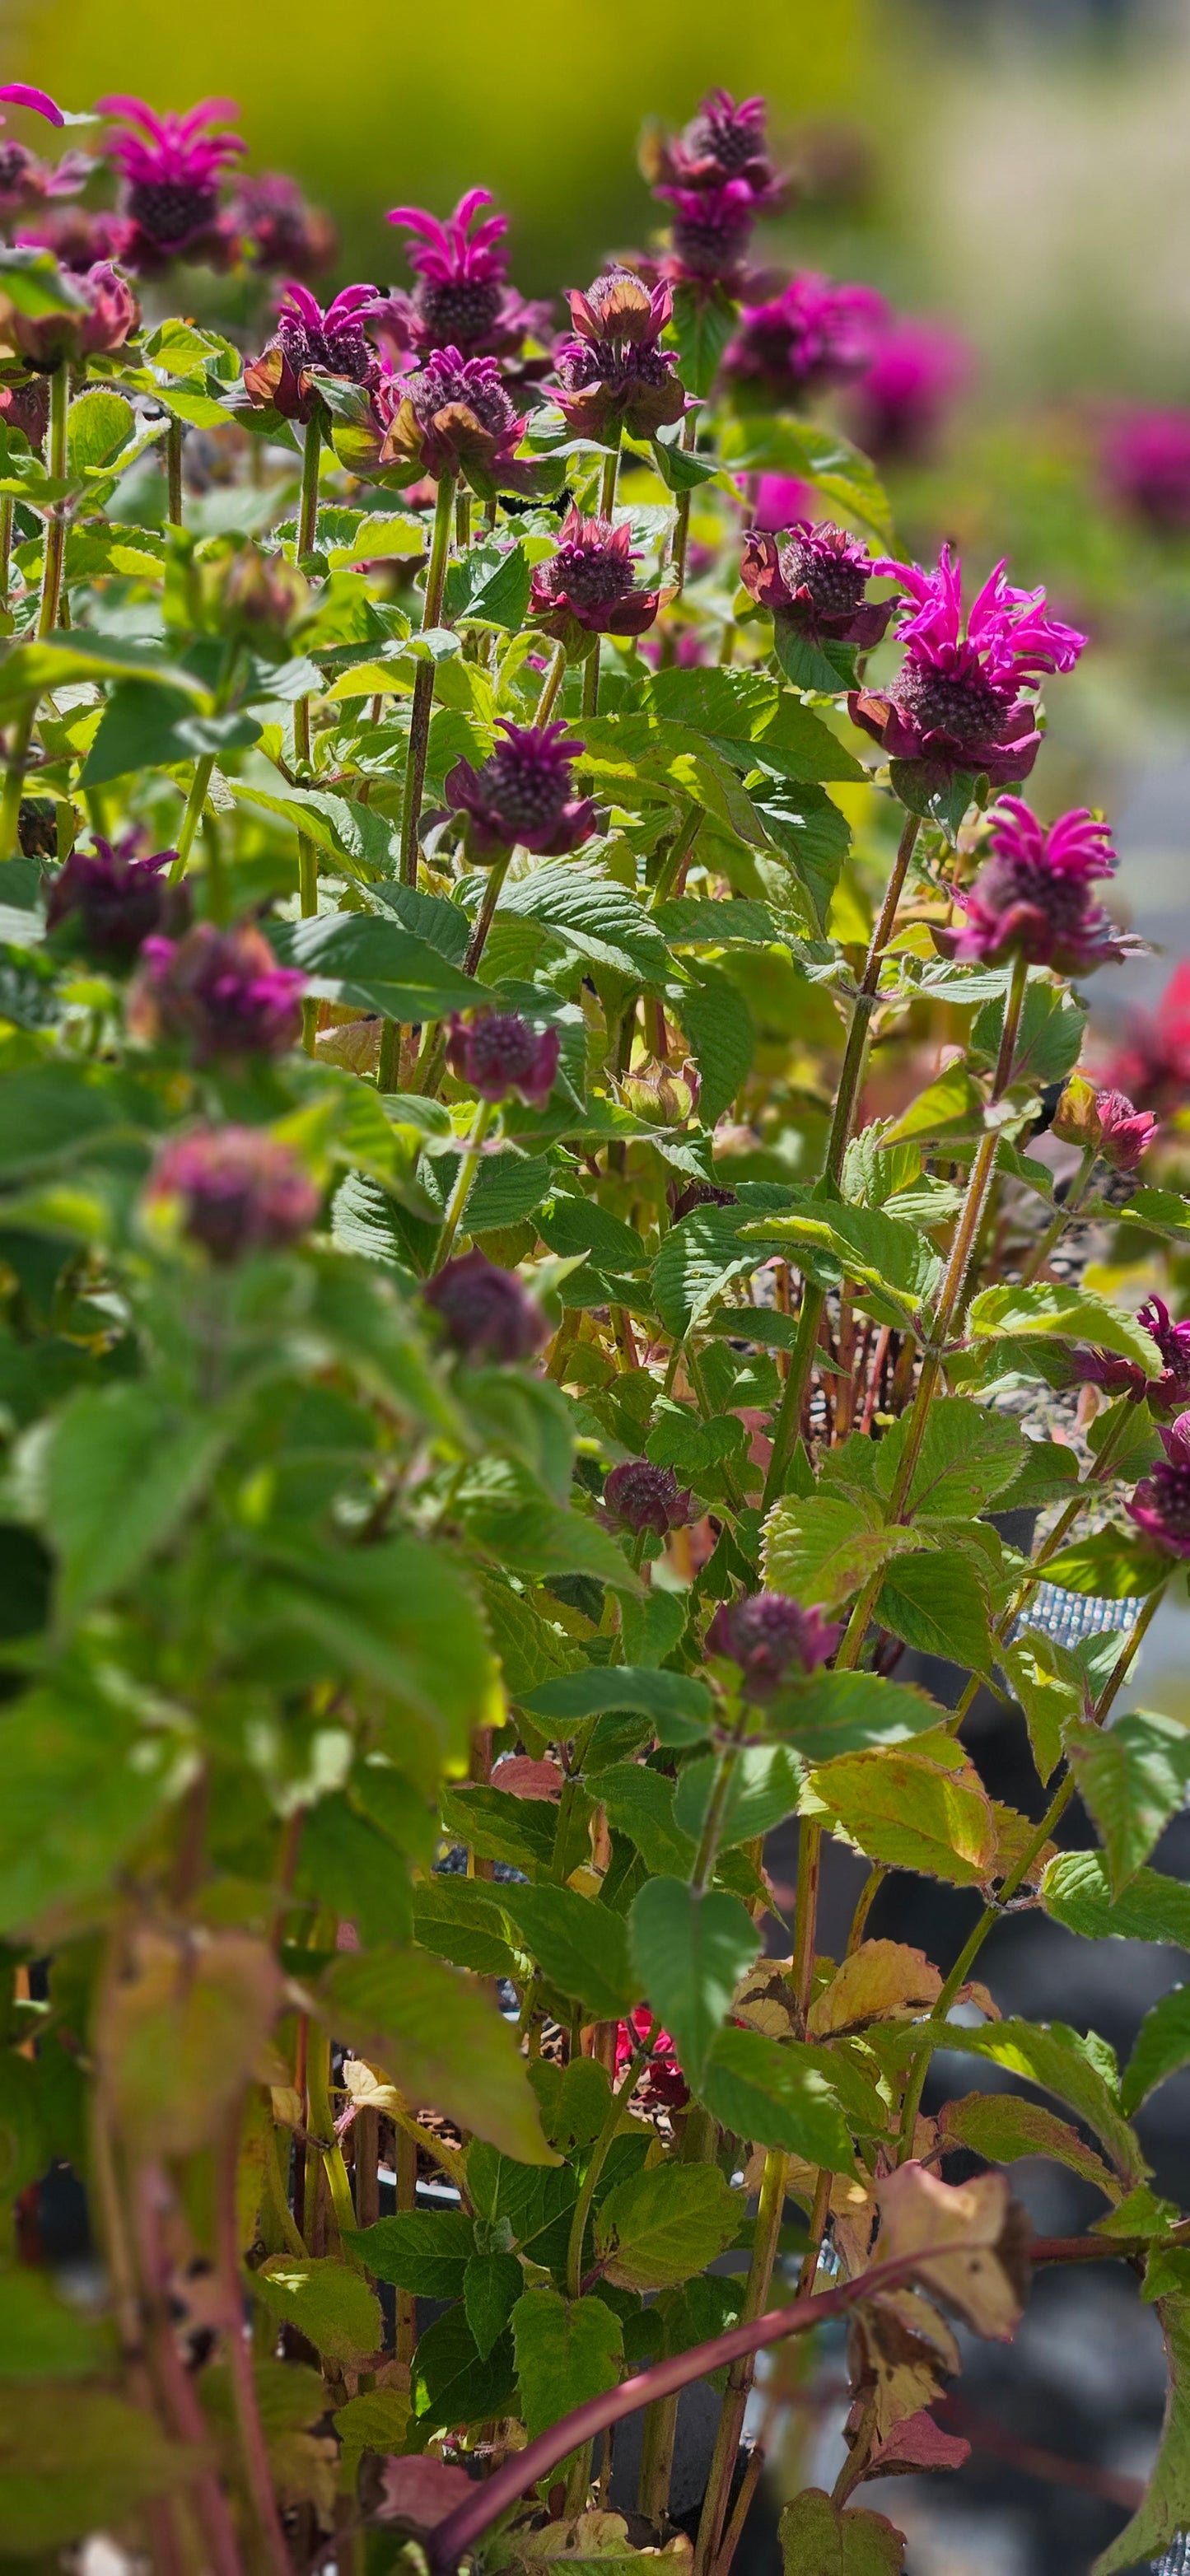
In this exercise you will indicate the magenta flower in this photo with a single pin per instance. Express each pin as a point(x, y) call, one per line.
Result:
point(663, 2085)
point(278, 230)
point(605, 387)
point(1104, 1122)
point(221, 992)
point(765, 1633)
point(237, 1189)
point(25, 405)
point(709, 233)
point(813, 578)
point(453, 416)
point(173, 167)
point(76, 237)
point(1119, 1376)
point(1161, 1504)
point(523, 794)
point(902, 397)
point(813, 334)
point(19, 94)
point(725, 140)
point(639, 1496)
point(485, 1312)
point(1146, 465)
point(587, 587)
point(308, 343)
point(104, 314)
point(462, 299)
point(112, 900)
point(1032, 898)
point(956, 702)
point(621, 310)
point(776, 502)
point(1152, 1066)
point(498, 1052)
point(27, 183)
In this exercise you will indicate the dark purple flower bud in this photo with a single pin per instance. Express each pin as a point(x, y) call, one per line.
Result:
point(26, 406)
point(310, 342)
point(956, 702)
point(523, 795)
point(765, 1633)
point(709, 233)
point(1146, 465)
point(814, 334)
point(453, 416)
point(1109, 1371)
point(726, 140)
point(1118, 1376)
point(588, 584)
point(1033, 897)
point(172, 168)
point(238, 1190)
point(604, 387)
point(1104, 1123)
point(221, 992)
point(639, 1496)
point(498, 1052)
point(76, 237)
point(621, 310)
point(902, 398)
point(113, 901)
point(27, 184)
point(279, 230)
point(1161, 1503)
point(813, 578)
point(103, 314)
point(484, 1311)
point(462, 299)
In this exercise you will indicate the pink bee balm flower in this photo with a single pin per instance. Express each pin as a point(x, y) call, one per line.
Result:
point(1146, 465)
point(523, 794)
point(452, 416)
point(1152, 1066)
point(1119, 1376)
point(662, 2082)
point(766, 1634)
point(19, 94)
point(112, 900)
point(279, 230)
point(726, 140)
point(779, 500)
point(814, 334)
point(498, 1052)
point(621, 310)
point(710, 230)
point(238, 1190)
point(221, 992)
point(588, 584)
point(103, 314)
point(1105, 1122)
point(639, 1496)
point(462, 299)
point(902, 398)
point(310, 342)
point(173, 167)
point(27, 183)
point(1161, 1504)
point(956, 702)
point(813, 578)
point(1033, 897)
point(605, 386)
point(484, 1312)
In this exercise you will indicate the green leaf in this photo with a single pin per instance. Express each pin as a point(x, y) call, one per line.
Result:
point(937, 1603)
point(820, 1548)
point(660, 2226)
point(1003, 2126)
point(1162, 2046)
point(901, 1808)
point(358, 838)
point(1110, 1564)
point(1057, 2059)
point(967, 1457)
point(581, 1225)
point(499, 1827)
point(426, 2251)
point(888, 1261)
point(75, 2460)
point(834, 1713)
point(1048, 1474)
point(774, 2094)
point(452, 2383)
point(348, 1865)
point(640, 1803)
point(678, 1705)
point(1049, 1040)
point(460, 1919)
point(442, 2041)
point(536, 1537)
point(182, 2030)
point(62, 661)
point(400, 1615)
point(1132, 1777)
point(698, 1259)
point(763, 1790)
point(492, 2284)
point(595, 915)
point(98, 427)
point(819, 2539)
point(1165, 2511)
point(1049, 1693)
point(489, 586)
point(329, 2302)
point(82, 1783)
point(376, 2420)
point(701, 327)
point(722, 1038)
point(1076, 1890)
point(580, 1947)
point(42, 2335)
point(116, 1476)
point(1061, 1314)
point(567, 2350)
point(776, 444)
point(690, 1952)
point(374, 965)
point(825, 671)
point(812, 835)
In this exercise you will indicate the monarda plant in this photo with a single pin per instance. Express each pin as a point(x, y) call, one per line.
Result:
point(493, 1413)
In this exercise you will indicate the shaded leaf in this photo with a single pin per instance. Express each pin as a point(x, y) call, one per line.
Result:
point(689, 1953)
point(329, 2302)
point(776, 2094)
point(661, 2225)
point(441, 2039)
point(567, 2350)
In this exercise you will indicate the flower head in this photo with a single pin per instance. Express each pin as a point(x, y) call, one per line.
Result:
point(765, 1633)
point(902, 396)
point(663, 2085)
point(112, 900)
point(639, 1496)
point(1104, 1122)
point(485, 1312)
point(956, 701)
point(725, 140)
point(813, 334)
point(453, 416)
point(462, 299)
point(1153, 1063)
point(221, 992)
point(278, 230)
point(1161, 1504)
point(1033, 899)
point(621, 310)
point(588, 584)
point(76, 237)
point(27, 183)
point(173, 167)
point(523, 794)
point(1116, 1375)
point(813, 578)
point(103, 313)
point(1146, 466)
point(709, 233)
point(498, 1052)
point(309, 342)
point(605, 386)
point(238, 1190)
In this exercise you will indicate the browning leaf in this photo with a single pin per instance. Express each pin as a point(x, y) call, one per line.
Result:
point(881, 1981)
point(987, 2280)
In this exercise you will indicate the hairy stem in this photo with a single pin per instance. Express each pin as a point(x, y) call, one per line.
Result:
point(55, 526)
point(254, 2457)
point(173, 471)
point(598, 2158)
point(457, 1203)
point(423, 684)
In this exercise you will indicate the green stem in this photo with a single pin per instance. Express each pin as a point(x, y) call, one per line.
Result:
point(591, 681)
point(742, 2372)
point(7, 506)
point(1065, 1216)
point(14, 780)
point(607, 481)
point(275, 2559)
point(486, 914)
point(788, 1422)
point(1017, 1875)
point(173, 472)
point(275, 2186)
point(307, 531)
point(388, 1071)
point(713, 1821)
point(323, 2128)
point(681, 535)
point(457, 1202)
point(203, 772)
point(599, 2154)
point(699, 2144)
point(550, 686)
point(55, 526)
point(675, 857)
point(423, 683)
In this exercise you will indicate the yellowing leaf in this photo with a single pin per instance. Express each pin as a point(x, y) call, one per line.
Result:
point(969, 2238)
point(902, 1808)
point(879, 1982)
point(181, 2032)
point(819, 2538)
